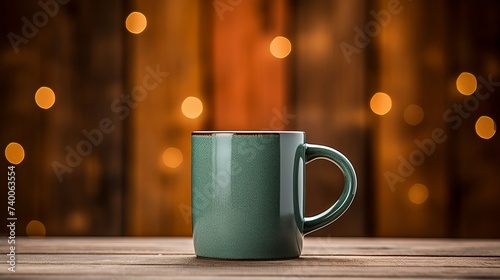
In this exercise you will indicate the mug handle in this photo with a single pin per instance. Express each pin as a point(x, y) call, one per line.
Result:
point(327, 217)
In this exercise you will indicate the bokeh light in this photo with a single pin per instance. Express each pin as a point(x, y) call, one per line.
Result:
point(381, 103)
point(486, 127)
point(136, 22)
point(45, 97)
point(192, 107)
point(35, 229)
point(14, 153)
point(466, 83)
point(280, 47)
point(418, 193)
point(78, 221)
point(413, 114)
point(172, 157)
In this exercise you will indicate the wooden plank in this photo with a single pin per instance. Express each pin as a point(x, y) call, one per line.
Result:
point(170, 43)
point(174, 277)
point(152, 258)
point(85, 199)
point(401, 247)
point(105, 245)
point(249, 83)
point(233, 269)
point(312, 246)
point(329, 94)
point(474, 187)
point(412, 71)
point(167, 258)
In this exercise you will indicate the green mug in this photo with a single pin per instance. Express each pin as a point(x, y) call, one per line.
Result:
point(247, 193)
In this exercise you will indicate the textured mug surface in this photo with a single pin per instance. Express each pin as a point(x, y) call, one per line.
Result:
point(247, 193)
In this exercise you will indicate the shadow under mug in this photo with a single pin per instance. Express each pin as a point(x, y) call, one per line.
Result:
point(247, 193)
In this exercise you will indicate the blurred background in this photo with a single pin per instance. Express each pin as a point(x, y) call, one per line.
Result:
point(98, 100)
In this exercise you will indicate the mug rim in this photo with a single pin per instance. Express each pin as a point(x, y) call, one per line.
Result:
point(245, 132)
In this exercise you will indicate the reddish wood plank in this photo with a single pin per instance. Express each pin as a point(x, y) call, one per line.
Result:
point(249, 83)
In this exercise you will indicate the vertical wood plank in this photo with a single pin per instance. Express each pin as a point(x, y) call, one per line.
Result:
point(412, 70)
point(474, 161)
point(329, 90)
point(171, 44)
point(249, 84)
point(86, 197)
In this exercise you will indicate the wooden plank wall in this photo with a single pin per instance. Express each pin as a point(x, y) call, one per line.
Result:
point(416, 67)
point(249, 84)
point(330, 102)
point(77, 53)
point(473, 161)
point(171, 43)
point(245, 89)
point(218, 51)
point(403, 63)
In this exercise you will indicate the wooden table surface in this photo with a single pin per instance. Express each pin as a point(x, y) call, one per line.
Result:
point(322, 258)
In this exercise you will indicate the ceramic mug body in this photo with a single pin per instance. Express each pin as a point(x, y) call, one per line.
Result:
point(247, 193)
